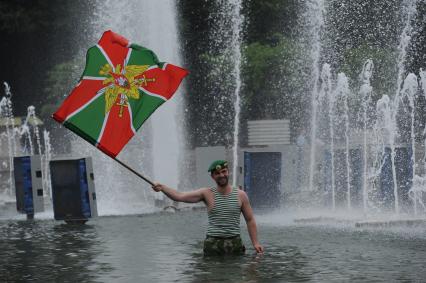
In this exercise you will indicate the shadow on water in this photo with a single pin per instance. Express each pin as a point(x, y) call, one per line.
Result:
point(278, 264)
point(43, 251)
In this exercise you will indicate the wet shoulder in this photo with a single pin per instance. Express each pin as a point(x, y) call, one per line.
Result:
point(207, 192)
point(242, 196)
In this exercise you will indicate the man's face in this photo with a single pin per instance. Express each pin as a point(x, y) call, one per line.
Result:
point(221, 177)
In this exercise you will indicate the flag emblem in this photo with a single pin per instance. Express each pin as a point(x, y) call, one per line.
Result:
point(121, 86)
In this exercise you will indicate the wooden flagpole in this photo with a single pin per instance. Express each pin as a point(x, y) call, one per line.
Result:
point(133, 171)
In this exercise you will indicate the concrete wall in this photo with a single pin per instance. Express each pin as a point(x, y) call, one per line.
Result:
point(292, 166)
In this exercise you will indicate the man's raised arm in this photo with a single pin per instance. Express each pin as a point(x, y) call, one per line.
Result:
point(190, 197)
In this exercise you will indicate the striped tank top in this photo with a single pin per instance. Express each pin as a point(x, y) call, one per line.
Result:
point(224, 218)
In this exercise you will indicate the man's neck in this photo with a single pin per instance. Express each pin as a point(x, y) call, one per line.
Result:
point(225, 189)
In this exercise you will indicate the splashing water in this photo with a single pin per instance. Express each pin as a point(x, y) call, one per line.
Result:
point(409, 94)
point(330, 95)
point(388, 134)
point(31, 116)
point(315, 17)
point(15, 133)
point(417, 191)
point(409, 10)
point(341, 117)
point(6, 111)
point(45, 159)
point(155, 150)
point(365, 93)
point(237, 20)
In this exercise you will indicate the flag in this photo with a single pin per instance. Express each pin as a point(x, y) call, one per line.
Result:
point(121, 86)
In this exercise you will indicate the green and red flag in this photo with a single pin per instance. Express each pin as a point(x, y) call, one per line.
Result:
point(121, 86)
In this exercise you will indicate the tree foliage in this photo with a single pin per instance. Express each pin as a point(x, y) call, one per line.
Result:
point(384, 73)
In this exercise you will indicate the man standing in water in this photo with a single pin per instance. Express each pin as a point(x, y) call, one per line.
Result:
point(224, 205)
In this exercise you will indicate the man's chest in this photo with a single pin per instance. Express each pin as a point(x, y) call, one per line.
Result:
point(211, 201)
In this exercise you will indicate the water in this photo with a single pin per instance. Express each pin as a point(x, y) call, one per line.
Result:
point(45, 159)
point(22, 140)
point(328, 95)
point(383, 163)
point(365, 93)
point(409, 95)
point(31, 116)
point(237, 21)
point(409, 11)
point(314, 16)
point(167, 132)
point(341, 123)
point(138, 249)
point(156, 148)
point(391, 130)
point(6, 110)
point(162, 38)
point(225, 62)
point(416, 193)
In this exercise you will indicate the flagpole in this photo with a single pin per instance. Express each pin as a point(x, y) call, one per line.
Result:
point(132, 170)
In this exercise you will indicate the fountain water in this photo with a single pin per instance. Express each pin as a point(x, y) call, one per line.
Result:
point(409, 96)
point(324, 131)
point(422, 75)
point(25, 131)
point(392, 140)
point(365, 93)
point(423, 86)
point(156, 147)
point(409, 10)
point(31, 116)
point(167, 133)
point(45, 159)
point(314, 16)
point(384, 130)
point(225, 58)
point(16, 135)
point(391, 124)
point(46, 154)
point(6, 111)
point(416, 193)
point(237, 20)
point(332, 130)
point(341, 124)
point(327, 93)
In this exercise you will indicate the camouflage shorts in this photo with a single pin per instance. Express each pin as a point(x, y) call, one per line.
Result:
point(223, 246)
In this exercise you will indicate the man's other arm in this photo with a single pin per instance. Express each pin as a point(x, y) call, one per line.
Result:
point(251, 222)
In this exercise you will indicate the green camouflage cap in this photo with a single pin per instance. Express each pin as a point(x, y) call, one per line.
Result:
point(218, 165)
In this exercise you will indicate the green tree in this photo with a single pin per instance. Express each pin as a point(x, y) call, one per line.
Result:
point(59, 82)
point(384, 73)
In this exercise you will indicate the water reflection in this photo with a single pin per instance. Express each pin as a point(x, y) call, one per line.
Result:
point(42, 251)
point(168, 248)
point(278, 264)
